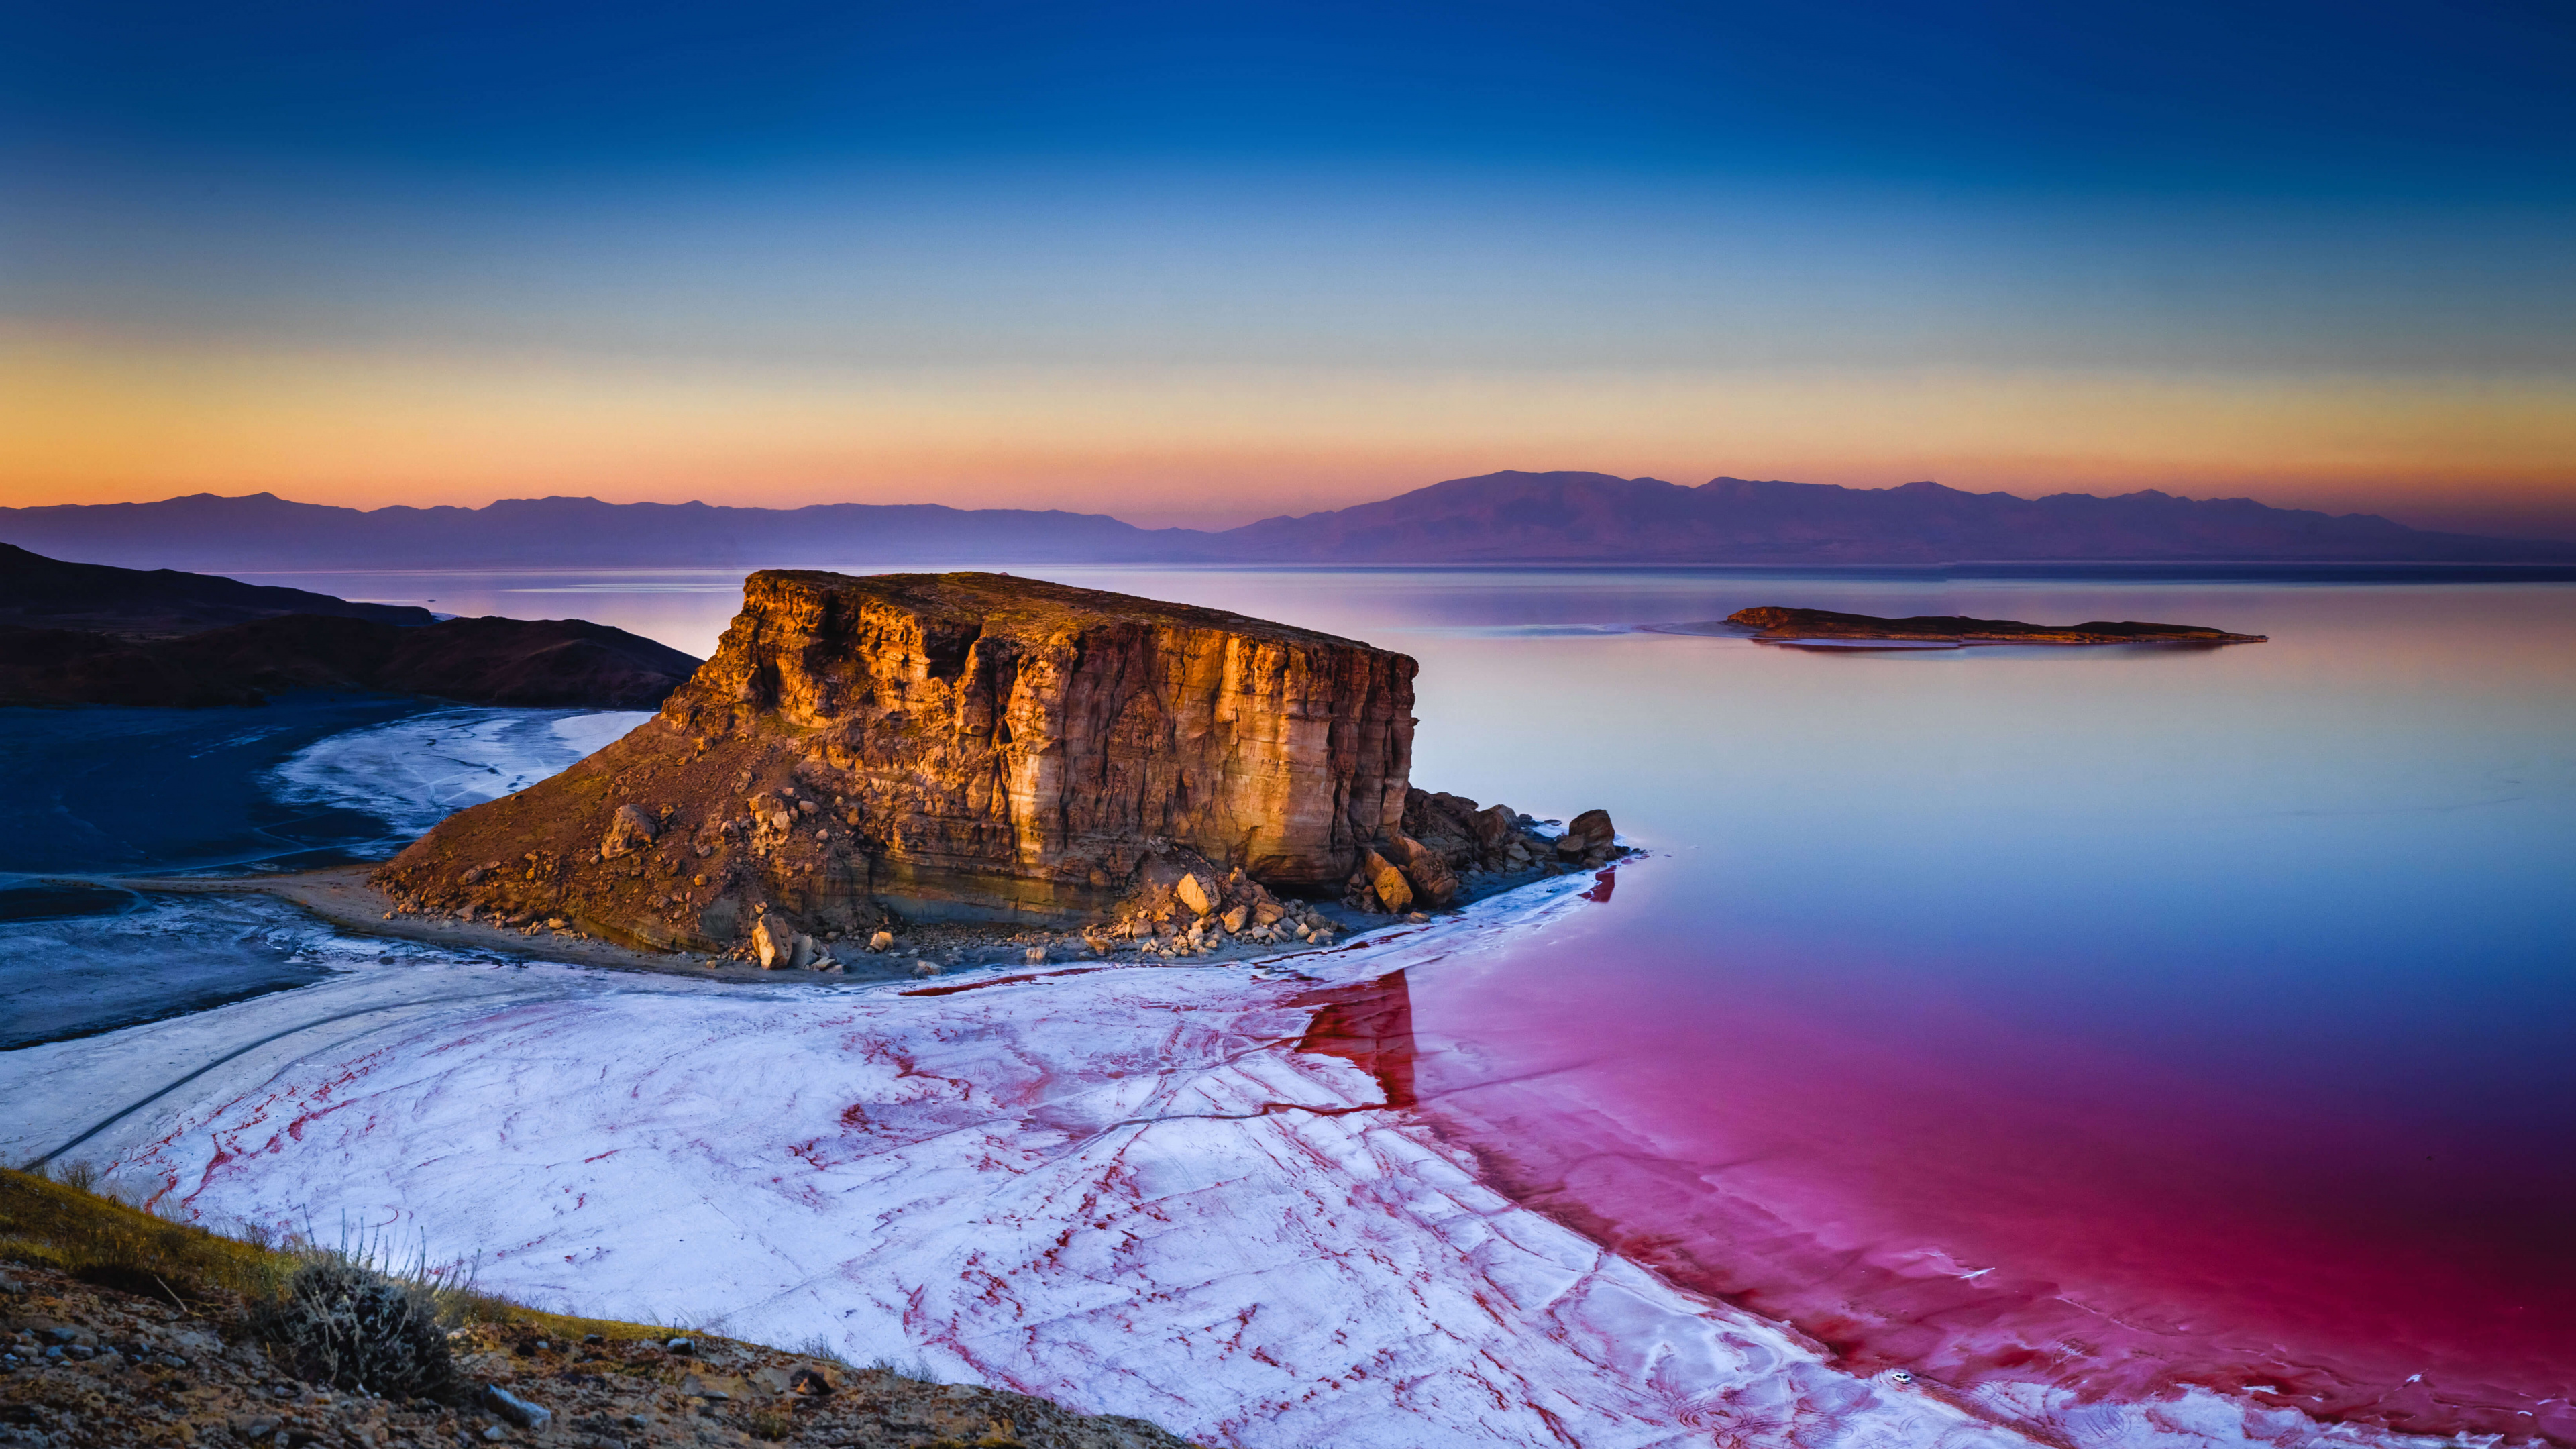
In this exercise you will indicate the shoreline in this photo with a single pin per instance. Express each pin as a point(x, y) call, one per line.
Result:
point(1270, 1113)
point(343, 897)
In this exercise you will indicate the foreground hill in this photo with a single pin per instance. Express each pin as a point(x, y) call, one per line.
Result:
point(124, 1329)
point(1509, 517)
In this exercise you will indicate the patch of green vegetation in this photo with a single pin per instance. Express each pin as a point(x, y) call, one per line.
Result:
point(57, 1222)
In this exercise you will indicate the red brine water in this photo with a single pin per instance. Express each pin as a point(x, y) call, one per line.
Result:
point(1917, 1190)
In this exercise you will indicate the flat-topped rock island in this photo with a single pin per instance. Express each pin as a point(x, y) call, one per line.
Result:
point(867, 754)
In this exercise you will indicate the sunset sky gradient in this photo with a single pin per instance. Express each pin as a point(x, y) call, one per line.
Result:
point(1205, 263)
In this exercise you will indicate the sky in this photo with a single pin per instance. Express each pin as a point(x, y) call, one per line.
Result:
point(1205, 263)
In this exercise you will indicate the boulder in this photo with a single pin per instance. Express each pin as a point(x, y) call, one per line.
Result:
point(1594, 829)
point(1193, 894)
point(629, 830)
point(1394, 894)
point(1434, 883)
point(772, 944)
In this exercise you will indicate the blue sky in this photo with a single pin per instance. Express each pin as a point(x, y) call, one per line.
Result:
point(1012, 215)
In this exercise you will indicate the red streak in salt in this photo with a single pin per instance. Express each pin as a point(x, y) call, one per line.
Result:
point(1370, 1026)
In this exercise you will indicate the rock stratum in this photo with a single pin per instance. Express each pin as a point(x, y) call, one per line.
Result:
point(1773, 623)
point(865, 751)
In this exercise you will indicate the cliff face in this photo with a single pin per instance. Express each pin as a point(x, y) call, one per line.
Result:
point(951, 745)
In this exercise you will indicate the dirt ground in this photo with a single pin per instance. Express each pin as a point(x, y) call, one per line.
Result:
point(89, 1367)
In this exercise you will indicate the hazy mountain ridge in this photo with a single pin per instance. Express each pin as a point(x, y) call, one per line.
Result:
point(1598, 517)
point(1507, 517)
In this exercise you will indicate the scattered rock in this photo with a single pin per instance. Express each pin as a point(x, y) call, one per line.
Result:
point(881, 941)
point(1035, 955)
point(519, 1411)
point(1192, 894)
point(629, 830)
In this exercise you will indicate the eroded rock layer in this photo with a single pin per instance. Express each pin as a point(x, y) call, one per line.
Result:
point(968, 745)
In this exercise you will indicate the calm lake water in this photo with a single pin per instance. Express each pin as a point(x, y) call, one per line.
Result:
point(2106, 1017)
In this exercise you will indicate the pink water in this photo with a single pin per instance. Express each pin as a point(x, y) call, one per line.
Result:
point(2110, 1019)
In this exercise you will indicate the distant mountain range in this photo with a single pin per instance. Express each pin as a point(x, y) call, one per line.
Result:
point(1509, 517)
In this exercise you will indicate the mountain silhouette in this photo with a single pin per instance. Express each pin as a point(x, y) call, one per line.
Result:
point(1507, 517)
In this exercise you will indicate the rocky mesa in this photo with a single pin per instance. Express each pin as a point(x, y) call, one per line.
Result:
point(867, 751)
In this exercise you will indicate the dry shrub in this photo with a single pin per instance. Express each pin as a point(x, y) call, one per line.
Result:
point(340, 1322)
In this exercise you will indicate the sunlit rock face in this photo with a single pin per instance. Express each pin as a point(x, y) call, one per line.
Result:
point(964, 745)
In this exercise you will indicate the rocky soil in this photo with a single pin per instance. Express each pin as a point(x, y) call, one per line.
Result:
point(83, 1365)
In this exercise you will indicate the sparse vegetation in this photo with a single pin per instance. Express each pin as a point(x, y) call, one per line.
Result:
point(338, 1321)
point(204, 1333)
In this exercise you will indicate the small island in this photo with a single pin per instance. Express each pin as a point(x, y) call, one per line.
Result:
point(1773, 624)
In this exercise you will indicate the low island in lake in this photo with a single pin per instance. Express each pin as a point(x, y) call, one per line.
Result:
point(1774, 624)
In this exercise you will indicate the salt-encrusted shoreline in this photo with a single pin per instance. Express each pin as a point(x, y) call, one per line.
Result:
point(1180, 1192)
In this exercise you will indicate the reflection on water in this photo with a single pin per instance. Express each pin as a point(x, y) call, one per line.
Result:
point(2114, 1017)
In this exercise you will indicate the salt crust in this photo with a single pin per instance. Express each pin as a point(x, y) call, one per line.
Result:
point(1108, 1188)
point(416, 771)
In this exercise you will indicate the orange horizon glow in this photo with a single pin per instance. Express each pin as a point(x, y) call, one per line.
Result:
point(92, 420)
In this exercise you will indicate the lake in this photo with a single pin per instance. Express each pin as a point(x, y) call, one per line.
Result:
point(2107, 1018)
